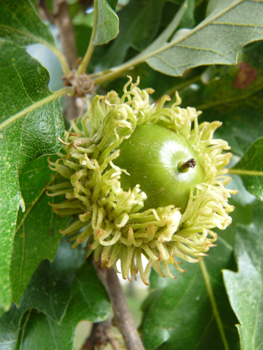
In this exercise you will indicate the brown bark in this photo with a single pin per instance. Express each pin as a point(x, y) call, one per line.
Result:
point(122, 315)
point(68, 45)
point(100, 336)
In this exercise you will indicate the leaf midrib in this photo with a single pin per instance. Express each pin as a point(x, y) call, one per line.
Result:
point(36, 105)
point(36, 38)
point(231, 99)
point(33, 204)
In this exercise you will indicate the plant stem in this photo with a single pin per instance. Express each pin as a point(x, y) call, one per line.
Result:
point(117, 71)
point(46, 15)
point(154, 48)
point(100, 336)
point(61, 57)
point(123, 318)
point(66, 33)
point(84, 63)
point(244, 172)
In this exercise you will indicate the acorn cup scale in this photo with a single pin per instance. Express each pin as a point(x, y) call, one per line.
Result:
point(156, 158)
point(142, 179)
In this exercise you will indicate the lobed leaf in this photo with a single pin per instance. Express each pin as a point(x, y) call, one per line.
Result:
point(49, 289)
point(233, 95)
point(58, 296)
point(192, 311)
point(245, 286)
point(88, 302)
point(37, 230)
point(30, 123)
point(216, 40)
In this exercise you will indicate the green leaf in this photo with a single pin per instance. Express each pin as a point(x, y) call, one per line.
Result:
point(191, 311)
point(30, 122)
point(245, 286)
point(250, 169)
point(107, 25)
point(137, 29)
point(47, 334)
point(64, 293)
point(9, 328)
point(89, 302)
point(113, 4)
point(188, 19)
point(37, 231)
point(216, 40)
point(51, 62)
point(82, 31)
point(20, 23)
point(49, 289)
point(234, 96)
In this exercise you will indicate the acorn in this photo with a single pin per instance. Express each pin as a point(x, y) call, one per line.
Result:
point(142, 179)
point(163, 163)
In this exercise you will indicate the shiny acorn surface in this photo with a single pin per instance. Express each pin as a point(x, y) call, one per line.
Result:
point(163, 163)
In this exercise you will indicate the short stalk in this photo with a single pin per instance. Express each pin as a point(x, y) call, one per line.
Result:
point(62, 59)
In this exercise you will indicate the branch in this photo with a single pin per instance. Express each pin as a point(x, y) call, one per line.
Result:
point(123, 318)
point(100, 336)
point(66, 33)
point(45, 13)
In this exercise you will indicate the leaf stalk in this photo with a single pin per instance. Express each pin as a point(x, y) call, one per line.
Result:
point(84, 63)
point(62, 59)
point(244, 172)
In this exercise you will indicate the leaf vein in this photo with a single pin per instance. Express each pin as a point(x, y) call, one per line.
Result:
point(206, 50)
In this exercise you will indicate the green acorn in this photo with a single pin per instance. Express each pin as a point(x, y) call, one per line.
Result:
point(142, 179)
point(163, 163)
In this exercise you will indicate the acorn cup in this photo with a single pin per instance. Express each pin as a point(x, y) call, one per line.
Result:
point(142, 179)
